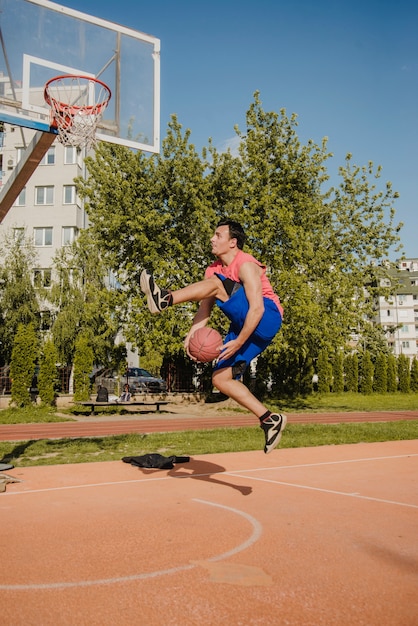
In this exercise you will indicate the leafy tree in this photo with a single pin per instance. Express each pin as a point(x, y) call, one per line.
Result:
point(320, 244)
point(414, 375)
point(18, 300)
point(380, 378)
point(366, 376)
point(151, 212)
point(392, 374)
point(83, 302)
point(47, 377)
point(83, 366)
point(404, 374)
point(22, 365)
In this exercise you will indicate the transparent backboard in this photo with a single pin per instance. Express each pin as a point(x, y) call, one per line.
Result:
point(40, 39)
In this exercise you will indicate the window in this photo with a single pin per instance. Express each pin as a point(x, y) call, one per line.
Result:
point(42, 278)
point(405, 328)
point(69, 234)
point(70, 155)
point(44, 195)
point(19, 235)
point(405, 344)
point(49, 157)
point(42, 236)
point(21, 198)
point(401, 298)
point(46, 320)
point(69, 194)
point(19, 153)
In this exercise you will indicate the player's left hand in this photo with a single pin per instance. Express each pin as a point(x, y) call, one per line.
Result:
point(229, 349)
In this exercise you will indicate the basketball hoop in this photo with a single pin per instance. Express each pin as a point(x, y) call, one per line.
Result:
point(77, 104)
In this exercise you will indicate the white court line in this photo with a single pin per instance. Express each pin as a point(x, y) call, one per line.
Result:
point(371, 458)
point(148, 478)
point(334, 492)
point(255, 535)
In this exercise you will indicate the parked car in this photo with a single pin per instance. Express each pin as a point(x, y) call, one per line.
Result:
point(138, 379)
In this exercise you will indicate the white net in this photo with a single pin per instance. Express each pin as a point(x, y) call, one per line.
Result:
point(77, 105)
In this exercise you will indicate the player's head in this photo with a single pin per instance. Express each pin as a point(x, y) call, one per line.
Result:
point(236, 231)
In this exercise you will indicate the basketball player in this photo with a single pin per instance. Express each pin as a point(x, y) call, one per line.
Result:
point(238, 284)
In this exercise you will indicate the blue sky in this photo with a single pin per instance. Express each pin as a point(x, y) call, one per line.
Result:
point(349, 70)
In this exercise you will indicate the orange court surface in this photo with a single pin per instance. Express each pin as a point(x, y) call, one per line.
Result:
point(306, 536)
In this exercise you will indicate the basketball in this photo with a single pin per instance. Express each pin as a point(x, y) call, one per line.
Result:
point(204, 344)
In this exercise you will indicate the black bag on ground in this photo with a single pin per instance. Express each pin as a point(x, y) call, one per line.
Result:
point(156, 461)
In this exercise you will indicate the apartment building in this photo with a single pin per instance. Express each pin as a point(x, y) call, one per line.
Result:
point(398, 315)
point(48, 208)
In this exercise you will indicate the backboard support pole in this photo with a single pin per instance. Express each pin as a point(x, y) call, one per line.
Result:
point(30, 160)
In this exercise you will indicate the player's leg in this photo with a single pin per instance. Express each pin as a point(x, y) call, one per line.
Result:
point(272, 424)
point(159, 299)
point(224, 380)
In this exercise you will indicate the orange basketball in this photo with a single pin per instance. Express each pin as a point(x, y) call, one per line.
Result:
point(205, 343)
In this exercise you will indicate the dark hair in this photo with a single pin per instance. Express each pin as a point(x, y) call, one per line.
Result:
point(236, 231)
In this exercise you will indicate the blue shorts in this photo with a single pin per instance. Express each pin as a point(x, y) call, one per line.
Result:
point(236, 309)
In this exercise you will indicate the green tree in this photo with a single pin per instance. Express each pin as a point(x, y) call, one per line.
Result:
point(392, 374)
point(47, 377)
point(338, 373)
point(80, 294)
point(366, 375)
point(319, 243)
point(351, 373)
point(380, 378)
point(161, 219)
point(404, 374)
point(414, 375)
point(18, 299)
point(324, 371)
point(22, 365)
point(83, 366)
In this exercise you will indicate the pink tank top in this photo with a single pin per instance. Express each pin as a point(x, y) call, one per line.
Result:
point(232, 272)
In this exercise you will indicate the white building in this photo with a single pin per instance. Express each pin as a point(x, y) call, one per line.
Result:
point(398, 315)
point(48, 208)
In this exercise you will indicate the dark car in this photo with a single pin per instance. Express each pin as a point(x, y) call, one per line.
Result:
point(138, 379)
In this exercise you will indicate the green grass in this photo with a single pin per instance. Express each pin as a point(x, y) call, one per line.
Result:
point(345, 402)
point(33, 414)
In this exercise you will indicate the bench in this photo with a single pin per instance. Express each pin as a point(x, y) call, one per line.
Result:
point(92, 404)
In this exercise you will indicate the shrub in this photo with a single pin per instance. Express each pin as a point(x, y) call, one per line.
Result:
point(366, 378)
point(404, 374)
point(22, 364)
point(83, 366)
point(380, 378)
point(47, 378)
point(392, 374)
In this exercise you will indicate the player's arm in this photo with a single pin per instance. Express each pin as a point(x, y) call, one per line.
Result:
point(250, 276)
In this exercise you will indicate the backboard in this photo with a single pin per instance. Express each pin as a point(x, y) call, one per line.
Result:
point(40, 39)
